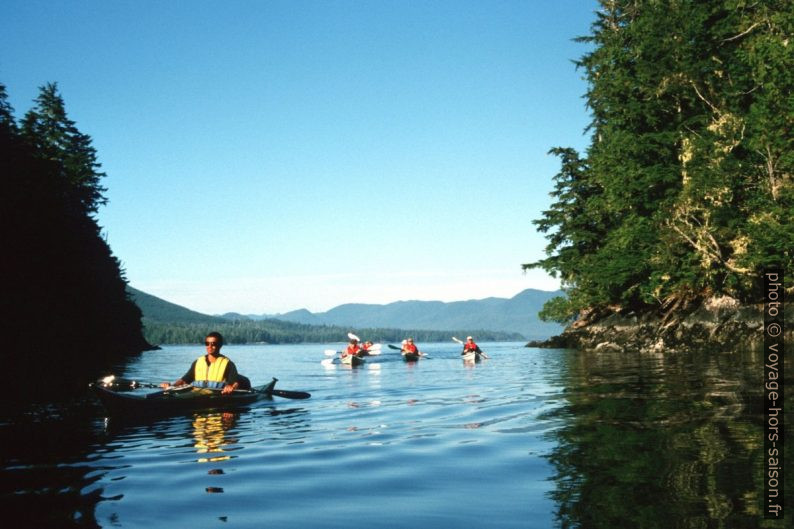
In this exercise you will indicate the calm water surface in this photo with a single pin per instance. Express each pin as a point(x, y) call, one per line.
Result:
point(530, 438)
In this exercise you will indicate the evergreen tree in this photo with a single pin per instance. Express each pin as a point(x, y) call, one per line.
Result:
point(55, 137)
point(690, 163)
point(69, 317)
point(8, 124)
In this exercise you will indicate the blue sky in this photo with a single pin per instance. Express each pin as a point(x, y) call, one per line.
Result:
point(265, 156)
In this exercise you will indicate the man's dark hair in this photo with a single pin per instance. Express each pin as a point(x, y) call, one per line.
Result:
point(217, 336)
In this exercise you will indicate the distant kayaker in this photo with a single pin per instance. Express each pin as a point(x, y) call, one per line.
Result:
point(366, 346)
point(410, 347)
point(213, 370)
point(471, 347)
point(352, 349)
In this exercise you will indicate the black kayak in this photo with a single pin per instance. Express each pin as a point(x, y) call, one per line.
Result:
point(124, 397)
point(411, 357)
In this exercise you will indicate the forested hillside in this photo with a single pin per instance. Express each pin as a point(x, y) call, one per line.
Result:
point(168, 323)
point(67, 312)
point(517, 315)
point(685, 192)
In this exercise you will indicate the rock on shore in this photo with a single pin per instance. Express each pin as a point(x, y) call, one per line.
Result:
point(719, 324)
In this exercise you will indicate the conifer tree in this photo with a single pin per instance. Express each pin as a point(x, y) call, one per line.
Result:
point(56, 137)
point(8, 124)
point(69, 313)
point(692, 153)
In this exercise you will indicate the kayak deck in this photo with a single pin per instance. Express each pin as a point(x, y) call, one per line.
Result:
point(126, 401)
point(471, 357)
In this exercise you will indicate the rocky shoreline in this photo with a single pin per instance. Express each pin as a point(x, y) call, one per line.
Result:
point(716, 325)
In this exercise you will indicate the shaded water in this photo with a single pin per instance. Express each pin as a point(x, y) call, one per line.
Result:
point(530, 438)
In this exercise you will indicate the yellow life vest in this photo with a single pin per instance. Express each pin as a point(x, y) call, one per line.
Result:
point(211, 376)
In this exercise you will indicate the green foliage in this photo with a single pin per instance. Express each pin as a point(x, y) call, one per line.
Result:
point(686, 188)
point(282, 332)
point(168, 323)
point(55, 137)
point(69, 313)
point(559, 309)
point(156, 310)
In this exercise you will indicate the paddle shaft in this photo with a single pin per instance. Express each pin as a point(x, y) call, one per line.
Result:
point(267, 389)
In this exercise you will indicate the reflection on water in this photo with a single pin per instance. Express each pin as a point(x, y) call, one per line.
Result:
point(548, 439)
point(209, 432)
point(46, 468)
point(659, 441)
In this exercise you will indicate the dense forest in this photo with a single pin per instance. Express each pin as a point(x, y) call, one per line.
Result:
point(168, 323)
point(685, 191)
point(67, 311)
point(282, 332)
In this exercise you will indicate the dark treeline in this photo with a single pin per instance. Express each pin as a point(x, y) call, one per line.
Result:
point(168, 323)
point(67, 312)
point(282, 332)
point(685, 191)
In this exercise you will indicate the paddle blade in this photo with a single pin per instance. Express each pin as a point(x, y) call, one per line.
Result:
point(456, 340)
point(330, 352)
point(290, 394)
point(353, 337)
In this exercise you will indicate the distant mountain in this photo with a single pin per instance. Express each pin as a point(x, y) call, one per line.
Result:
point(161, 311)
point(517, 314)
point(168, 323)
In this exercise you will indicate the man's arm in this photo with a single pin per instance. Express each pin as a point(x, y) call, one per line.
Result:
point(188, 377)
point(230, 377)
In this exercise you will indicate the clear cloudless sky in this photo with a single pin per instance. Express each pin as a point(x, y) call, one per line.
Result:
point(266, 156)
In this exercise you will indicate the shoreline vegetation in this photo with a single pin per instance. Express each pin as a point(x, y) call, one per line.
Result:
point(166, 323)
point(69, 315)
point(662, 229)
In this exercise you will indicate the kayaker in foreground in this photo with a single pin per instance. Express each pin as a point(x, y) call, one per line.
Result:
point(213, 370)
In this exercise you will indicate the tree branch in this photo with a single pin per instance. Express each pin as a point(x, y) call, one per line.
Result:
point(743, 33)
